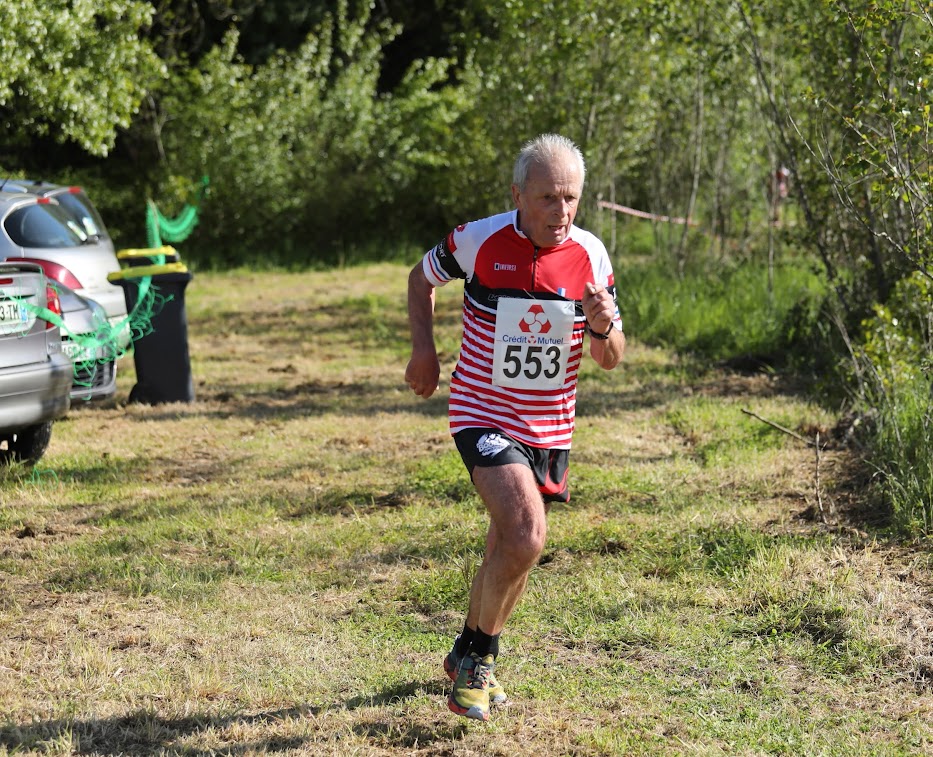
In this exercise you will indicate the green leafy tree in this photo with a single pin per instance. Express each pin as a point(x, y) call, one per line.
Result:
point(657, 94)
point(850, 112)
point(885, 177)
point(73, 71)
point(306, 158)
point(580, 68)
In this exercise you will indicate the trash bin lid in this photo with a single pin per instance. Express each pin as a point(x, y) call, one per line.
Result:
point(134, 255)
point(140, 272)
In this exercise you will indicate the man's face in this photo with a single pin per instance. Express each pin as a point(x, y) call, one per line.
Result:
point(548, 204)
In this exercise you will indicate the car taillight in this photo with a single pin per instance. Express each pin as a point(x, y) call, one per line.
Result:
point(57, 272)
point(74, 190)
point(43, 201)
point(53, 304)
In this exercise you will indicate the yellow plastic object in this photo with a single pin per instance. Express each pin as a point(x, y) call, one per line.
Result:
point(134, 256)
point(140, 272)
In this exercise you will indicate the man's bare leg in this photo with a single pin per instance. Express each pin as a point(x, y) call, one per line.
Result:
point(514, 542)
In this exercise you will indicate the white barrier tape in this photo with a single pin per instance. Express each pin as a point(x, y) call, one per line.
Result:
point(643, 214)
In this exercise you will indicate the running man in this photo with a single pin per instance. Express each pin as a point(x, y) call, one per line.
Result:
point(534, 285)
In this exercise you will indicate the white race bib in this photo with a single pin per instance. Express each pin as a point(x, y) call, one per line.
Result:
point(532, 343)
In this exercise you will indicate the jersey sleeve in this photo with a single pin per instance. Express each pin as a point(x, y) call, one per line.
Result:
point(602, 270)
point(440, 265)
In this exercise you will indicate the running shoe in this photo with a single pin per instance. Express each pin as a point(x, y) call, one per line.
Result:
point(470, 695)
point(497, 694)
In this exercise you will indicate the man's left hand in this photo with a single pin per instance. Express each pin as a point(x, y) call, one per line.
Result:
point(598, 307)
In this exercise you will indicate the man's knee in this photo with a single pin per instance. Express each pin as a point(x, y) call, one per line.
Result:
point(517, 511)
point(521, 545)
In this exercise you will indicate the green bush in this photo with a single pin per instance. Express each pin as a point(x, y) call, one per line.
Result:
point(897, 392)
point(308, 162)
point(720, 311)
point(902, 446)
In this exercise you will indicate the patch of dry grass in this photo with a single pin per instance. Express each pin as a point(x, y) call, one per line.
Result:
point(279, 566)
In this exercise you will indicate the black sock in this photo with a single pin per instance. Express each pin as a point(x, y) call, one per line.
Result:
point(484, 644)
point(462, 645)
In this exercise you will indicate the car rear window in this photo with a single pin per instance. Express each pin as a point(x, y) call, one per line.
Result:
point(43, 226)
point(83, 209)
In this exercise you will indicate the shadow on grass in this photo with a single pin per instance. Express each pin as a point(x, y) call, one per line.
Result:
point(366, 399)
point(361, 320)
point(145, 732)
point(313, 398)
point(599, 401)
point(410, 735)
point(151, 470)
point(597, 394)
point(397, 694)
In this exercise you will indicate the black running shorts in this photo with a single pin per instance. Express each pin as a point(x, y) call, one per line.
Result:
point(489, 447)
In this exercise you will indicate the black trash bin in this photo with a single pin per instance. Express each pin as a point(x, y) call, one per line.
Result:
point(160, 352)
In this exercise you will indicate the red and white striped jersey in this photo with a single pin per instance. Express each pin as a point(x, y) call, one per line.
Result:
point(498, 261)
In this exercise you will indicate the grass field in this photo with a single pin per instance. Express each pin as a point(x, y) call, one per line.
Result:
point(280, 566)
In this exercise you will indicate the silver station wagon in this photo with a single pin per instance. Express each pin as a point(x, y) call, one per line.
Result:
point(58, 228)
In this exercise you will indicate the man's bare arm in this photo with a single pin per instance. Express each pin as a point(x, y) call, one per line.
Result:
point(423, 369)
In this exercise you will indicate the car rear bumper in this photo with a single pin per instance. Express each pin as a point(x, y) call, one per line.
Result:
point(35, 393)
point(95, 369)
point(96, 380)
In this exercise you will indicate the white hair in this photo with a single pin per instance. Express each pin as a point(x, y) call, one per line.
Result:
point(542, 150)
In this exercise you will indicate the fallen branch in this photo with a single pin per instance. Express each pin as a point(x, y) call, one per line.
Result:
point(826, 513)
point(779, 427)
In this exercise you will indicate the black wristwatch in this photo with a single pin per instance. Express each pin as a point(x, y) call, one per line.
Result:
point(597, 335)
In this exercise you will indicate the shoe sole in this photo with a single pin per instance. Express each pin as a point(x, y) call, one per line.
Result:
point(476, 713)
point(451, 672)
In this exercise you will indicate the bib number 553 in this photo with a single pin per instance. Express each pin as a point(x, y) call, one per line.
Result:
point(531, 361)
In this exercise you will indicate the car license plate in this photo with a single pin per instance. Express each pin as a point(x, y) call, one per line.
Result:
point(77, 352)
point(15, 316)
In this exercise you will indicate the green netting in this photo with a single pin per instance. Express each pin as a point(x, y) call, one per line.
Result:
point(107, 342)
point(160, 228)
